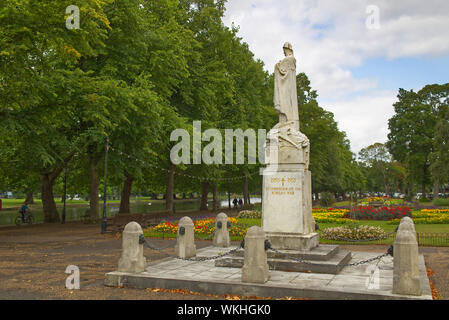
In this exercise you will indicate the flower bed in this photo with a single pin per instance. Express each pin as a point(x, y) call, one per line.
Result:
point(383, 213)
point(435, 211)
point(424, 217)
point(362, 232)
point(204, 227)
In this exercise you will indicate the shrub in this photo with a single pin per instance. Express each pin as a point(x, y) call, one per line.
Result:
point(326, 199)
point(423, 199)
point(441, 202)
point(353, 232)
point(250, 214)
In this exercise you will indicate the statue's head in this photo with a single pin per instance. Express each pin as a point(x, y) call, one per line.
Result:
point(288, 49)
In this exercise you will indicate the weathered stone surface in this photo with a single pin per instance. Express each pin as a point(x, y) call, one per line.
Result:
point(291, 241)
point(185, 246)
point(203, 276)
point(285, 263)
point(221, 238)
point(287, 202)
point(255, 268)
point(132, 259)
point(406, 277)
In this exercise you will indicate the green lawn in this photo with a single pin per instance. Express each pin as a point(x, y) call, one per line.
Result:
point(421, 229)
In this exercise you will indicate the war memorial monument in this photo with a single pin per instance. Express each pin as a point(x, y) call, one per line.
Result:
point(284, 256)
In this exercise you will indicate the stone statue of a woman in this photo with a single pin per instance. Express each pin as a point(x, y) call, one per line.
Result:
point(285, 91)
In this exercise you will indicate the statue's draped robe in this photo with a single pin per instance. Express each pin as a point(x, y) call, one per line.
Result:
point(285, 92)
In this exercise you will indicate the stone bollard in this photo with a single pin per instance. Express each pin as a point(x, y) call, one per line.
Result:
point(132, 259)
point(407, 223)
point(185, 246)
point(406, 278)
point(221, 238)
point(255, 268)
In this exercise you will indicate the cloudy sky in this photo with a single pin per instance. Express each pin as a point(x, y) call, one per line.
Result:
point(356, 62)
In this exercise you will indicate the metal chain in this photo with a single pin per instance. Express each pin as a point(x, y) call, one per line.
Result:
point(196, 259)
point(388, 253)
point(367, 261)
point(148, 244)
point(200, 259)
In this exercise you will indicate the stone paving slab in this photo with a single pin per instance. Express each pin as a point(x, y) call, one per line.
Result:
point(350, 284)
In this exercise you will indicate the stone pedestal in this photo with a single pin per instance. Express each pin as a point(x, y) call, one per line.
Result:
point(292, 241)
point(132, 259)
point(406, 274)
point(287, 207)
point(185, 245)
point(221, 238)
point(255, 268)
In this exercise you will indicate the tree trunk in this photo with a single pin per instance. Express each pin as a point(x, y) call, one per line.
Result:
point(169, 203)
point(48, 200)
point(436, 189)
point(204, 195)
point(245, 191)
point(126, 194)
point(215, 198)
point(154, 196)
point(29, 198)
point(423, 190)
point(94, 187)
point(229, 196)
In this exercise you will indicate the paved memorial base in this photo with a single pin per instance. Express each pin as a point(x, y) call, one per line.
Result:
point(351, 283)
point(322, 259)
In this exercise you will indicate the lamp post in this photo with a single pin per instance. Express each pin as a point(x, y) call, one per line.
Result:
point(65, 195)
point(104, 221)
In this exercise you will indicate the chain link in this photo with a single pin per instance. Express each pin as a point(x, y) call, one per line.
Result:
point(388, 253)
point(196, 259)
point(200, 259)
point(148, 244)
point(367, 261)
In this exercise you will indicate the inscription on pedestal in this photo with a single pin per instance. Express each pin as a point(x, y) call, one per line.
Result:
point(282, 202)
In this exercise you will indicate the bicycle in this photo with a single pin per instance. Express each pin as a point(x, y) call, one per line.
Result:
point(29, 218)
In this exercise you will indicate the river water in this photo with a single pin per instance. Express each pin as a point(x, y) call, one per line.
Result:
point(76, 213)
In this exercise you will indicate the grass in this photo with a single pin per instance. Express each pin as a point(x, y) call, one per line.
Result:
point(388, 228)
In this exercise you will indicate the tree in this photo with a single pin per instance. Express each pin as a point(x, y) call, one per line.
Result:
point(412, 130)
point(377, 157)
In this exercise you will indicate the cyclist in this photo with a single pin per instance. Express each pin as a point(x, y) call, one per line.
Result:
point(23, 210)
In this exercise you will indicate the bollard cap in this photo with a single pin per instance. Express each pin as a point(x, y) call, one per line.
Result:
point(222, 216)
point(133, 227)
point(255, 231)
point(186, 221)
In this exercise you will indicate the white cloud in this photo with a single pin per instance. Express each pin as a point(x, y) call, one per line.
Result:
point(330, 37)
point(364, 118)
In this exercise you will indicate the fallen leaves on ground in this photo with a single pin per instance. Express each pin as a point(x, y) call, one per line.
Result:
point(226, 296)
point(435, 293)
